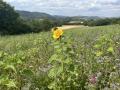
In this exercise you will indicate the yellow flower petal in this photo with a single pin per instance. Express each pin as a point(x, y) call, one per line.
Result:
point(57, 33)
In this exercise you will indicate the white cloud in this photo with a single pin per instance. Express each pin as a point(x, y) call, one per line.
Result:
point(70, 7)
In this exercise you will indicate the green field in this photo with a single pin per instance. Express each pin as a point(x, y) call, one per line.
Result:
point(11, 44)
point(97, 49)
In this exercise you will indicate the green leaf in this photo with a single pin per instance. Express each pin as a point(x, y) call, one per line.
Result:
point(51, 85)
point(1, 63)
point(2, 79)
point(99, 53)
point(110, 49)
point(64, 48)
point(10, 67)
point(57, 46)
point(72, 52)
point(53, 57)
point(68, 61)
point(19, 61)
point(5, 81)
point(1, 54)
point(27, 72)
point(72, 67)
point(55, 71)
point(11, 84)
point(97, 46)
point(59, 50)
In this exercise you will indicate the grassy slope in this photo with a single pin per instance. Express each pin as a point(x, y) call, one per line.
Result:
point(20, 42)
point(98, 29)
point(90, 34)
point(24, 42)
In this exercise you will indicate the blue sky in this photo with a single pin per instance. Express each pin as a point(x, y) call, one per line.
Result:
point(103, 8)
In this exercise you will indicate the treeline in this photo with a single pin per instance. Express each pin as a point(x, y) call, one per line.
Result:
point(102, 22)
point(96, 22)
point(11, 22)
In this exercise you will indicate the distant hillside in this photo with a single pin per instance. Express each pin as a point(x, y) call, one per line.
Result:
point(33, 15)
point(39, 15)
point(84, 17)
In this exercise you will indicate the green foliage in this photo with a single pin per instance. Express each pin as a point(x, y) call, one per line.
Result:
point(40, 25)
point(102, 22)
point(10, 23)
point(21, 67)
point(62, 72)
point(8, 17)
point(86, 60)
point(94, 22)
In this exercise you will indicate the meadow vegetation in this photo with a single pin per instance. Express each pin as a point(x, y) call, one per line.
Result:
point(84, 58)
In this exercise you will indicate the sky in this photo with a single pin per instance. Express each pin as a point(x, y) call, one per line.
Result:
point(102, 8)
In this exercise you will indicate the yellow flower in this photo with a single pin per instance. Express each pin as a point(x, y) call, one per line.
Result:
point(57, 33)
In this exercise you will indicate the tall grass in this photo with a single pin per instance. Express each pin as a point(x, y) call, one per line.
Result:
point(37, 49)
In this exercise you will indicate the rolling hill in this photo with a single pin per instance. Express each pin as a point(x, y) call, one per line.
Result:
point(33, 15)
point(39, 15)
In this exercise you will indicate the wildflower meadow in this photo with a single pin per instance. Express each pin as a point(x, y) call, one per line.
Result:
point(82, 58)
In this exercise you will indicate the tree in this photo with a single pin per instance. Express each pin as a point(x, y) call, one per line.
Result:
point(8, 18)
point(47, 24)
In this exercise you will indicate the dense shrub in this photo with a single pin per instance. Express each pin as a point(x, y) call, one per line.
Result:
point(41, 25)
